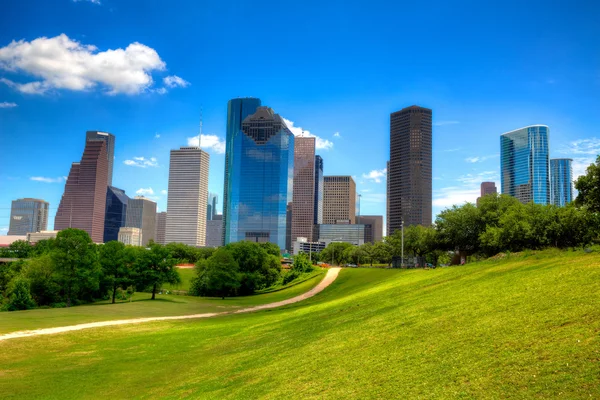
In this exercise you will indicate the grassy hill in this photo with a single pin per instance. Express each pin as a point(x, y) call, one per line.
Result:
point(523, 327)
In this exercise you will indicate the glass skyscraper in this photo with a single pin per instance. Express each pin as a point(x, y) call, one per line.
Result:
point(525, 164)
point(28, 215)
point(116, 211)
point(259, 179)
point(561, 179)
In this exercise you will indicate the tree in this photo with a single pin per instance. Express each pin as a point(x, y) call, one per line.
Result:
point(155, 266)
point(334, 252)
point(20, 249)
point(43, 247)
point(43, 283)
point(588, 187)
point(382, 252)
point(115, 269)
point(301, 263)
point(256, 271)
point(367, 252)
point(271, 248)
point(76, 262)
point(218, 275)
point(19, 296)
point(458, 228)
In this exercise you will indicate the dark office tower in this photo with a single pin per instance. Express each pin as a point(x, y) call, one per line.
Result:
point(319, 187)
point(161, 227)
point(211, 206)
point(141, 213)
point(28, 216)
point(488, 188)
point(409, 174)
point(303, 203)
point(387, 201)
point(116, 212)
point(237, 111)
point(261, 172)
point(109, 139)
point(83, 204)
point(373, 227)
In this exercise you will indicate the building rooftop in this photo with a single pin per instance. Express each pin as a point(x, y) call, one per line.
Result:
point(525, 127)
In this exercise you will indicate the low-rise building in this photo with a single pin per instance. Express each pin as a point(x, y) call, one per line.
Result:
point(302, 245)
point(130, 235)
point(34, 237)
point(349, 233)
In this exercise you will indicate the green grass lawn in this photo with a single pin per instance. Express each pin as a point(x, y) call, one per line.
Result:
point(524, 327)
point(186, 275)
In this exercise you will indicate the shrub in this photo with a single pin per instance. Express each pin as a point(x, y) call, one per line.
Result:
point(19, 297)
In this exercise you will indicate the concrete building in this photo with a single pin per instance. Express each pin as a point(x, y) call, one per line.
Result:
point(302, 245)
point(141, 213)
point(410, 169)
point(561, 181)
point(303, 203)
point(161, 227)
point(319, 189)
point(373, 227)
point(339, 200)
point(525, 164)
point(488, 188)
point(211, 206)
point(214, 231)
point(130, 236)
point(28, 215)
point(349, 233)
point(109, 139)
point(115, 214)
point(34, 237)
point(83, 203)
point(187, 196)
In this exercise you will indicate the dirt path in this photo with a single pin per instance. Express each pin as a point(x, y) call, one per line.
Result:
point(331, 275)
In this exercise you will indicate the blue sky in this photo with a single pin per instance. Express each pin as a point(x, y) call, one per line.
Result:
point(143, 70)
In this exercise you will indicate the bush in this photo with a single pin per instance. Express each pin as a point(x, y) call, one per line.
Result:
point(19, 297)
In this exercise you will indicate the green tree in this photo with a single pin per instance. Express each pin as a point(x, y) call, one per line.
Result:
point(20, 249)
point(19, 296)
point(217, 276)
point(588, 188)
point(155, 266)
point(43, 247)
point(367, 252)
point(271, 248)
point(334, 253)
point(382, 252)
point(459, 228)
point(256, 265)
point(76, 263)
point(43, 282)
point(116, 270)
point(301, 263)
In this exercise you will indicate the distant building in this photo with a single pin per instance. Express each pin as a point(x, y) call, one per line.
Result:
point(259, 182)
point(109, 139)
point(6, 240)
point(83, 204)
point(187, 196)
point(525, 164)
point(211, 206)
point(339, 199)
point(130, 236)
point(349, 233)
point(115, 214)
point(141, 213)
point(487, 188)
point(214, 232)
point(28, 215)
point(561, 178)
point(35, 237)
point(373, 227)
point(319, 189)
point(410, 168)
point(302, 245)
point(303, 204)
point(161, 226)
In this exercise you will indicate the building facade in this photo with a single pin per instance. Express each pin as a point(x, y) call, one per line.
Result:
point(303, 203)
point(83, 203)
point(115, 214)
point(373, 227)
point(187, 196)
point(211, 206)
point(302, 245)
point(35, 237)
point(339, 200)
point(561, 179)
point(214, 231)
point(28, 215)
point(525, 164)
point(161, 227)
point(237, 111)
point(488, 188)
point(349, 233)
point(130, 236)
point(109, 139)
point(141, 213)
point(260, 184)
point(319, 189)
point(410, 168)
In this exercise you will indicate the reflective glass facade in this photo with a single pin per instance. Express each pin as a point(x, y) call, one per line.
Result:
point(116, 212)
point(525, 164)
point(28, 215)
point(349, 233)
point(561, 178)
point(261, 172)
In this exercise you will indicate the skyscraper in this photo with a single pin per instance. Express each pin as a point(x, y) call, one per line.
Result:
point(259, 188)
point(115, 214)
point(187, 196)
point(28, 215)
point(409, 173)
point(109, 139)
point(339, 200)
point(161, 226)
point(561, 178)
point(83, 203)
point(525, 164)
point(211, 207)
point(237, 111)
point(319, 188)
point(214, 231)
point(373, 227)
point(141, 213)
point(488, 188)
point(303, 204)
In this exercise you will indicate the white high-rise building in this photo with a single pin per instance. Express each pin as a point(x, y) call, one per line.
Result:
point(188, 196)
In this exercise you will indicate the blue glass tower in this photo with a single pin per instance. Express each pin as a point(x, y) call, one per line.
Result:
point(261, 172)
point(525, 164)
point(237, 111)
point(116, 211)
point(561, 178)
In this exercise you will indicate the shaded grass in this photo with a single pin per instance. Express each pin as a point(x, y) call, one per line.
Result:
point(186, 274)
point(525, 327)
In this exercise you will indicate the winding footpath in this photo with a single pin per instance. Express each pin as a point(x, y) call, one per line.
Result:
point(331, 275)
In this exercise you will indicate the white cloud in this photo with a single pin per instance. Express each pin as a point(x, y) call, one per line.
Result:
point(156, 136)
point(468, 191)
point(48, 180)
point(212, 142)
point(163, 192)
point(4, 229)
point(63, 63)
point(142, 162)
point(452, 150)
point(5, 104)
point(584, 152)
point(161, 90)
point(173, 81)
point(337, 135)
point(376, 175)
point(442, 123)
point(91, 1)
point(320, 143)
point(477, 159)
point(144, 191)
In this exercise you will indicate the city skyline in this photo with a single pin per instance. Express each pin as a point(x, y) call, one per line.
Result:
point(345, 104)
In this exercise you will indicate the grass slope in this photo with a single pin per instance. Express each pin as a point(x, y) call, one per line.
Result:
point(527, 327)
